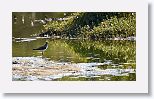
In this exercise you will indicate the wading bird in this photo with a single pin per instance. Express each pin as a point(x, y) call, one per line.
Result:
point(42, 48)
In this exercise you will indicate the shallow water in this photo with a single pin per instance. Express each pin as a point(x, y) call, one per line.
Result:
point(38, 69)
point(94, 62)
point(113, 56)
point(76, 51)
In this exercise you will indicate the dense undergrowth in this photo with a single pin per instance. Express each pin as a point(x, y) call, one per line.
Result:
point(95, 25)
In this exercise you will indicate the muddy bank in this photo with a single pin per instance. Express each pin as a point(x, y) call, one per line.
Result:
point(37, 68)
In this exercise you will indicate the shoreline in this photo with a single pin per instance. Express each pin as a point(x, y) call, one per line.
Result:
point(37, 69)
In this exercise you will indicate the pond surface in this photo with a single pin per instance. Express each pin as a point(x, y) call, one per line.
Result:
point(76, 51)
point(109, 55)
point(81, 60)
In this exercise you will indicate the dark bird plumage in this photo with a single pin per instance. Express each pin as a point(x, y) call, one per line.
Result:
point(42, 48)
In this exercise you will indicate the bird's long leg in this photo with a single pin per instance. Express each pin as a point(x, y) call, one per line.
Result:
point(42, 53)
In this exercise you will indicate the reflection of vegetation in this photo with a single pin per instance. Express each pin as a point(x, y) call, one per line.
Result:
point(81, 50)
point(130, 77)
point(60, 50)
point(95, 25)
point(118, 66)
point(117, 51)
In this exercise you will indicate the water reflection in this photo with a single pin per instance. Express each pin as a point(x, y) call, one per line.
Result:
point(72, 53)
point(69, 59)
point(76, 50)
